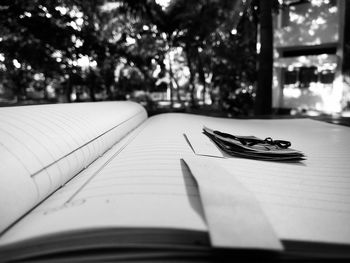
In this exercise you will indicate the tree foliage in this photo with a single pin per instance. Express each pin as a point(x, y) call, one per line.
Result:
point(106, 49)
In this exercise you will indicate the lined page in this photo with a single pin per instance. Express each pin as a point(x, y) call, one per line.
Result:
point(141, 182)
point(308, 201)
point(41, 147)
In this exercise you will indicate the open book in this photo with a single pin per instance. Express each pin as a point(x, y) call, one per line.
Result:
point(96, 181)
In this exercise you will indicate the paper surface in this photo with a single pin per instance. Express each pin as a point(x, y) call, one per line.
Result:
point(306, 201)
point(42, 147)
point(144, 184)
point(140, 184)
point(202, 145)
point(309, 201)
point(234, 217)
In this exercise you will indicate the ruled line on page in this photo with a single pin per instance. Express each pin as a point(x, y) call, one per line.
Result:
point(59, 123)
point(140, 193)
point(101, 168)
point(47, 151)
point(155, 162)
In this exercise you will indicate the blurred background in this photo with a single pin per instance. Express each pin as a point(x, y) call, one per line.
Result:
point(216, 57)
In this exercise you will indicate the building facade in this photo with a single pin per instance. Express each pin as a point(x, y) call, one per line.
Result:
point(308, 47)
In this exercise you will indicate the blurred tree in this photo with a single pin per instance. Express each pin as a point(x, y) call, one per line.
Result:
point(233, 59)
point(181, 25)
point(102, 45)
point(38, 36)
point(207, 45)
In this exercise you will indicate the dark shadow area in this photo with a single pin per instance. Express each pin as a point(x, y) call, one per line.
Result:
point(192, 190)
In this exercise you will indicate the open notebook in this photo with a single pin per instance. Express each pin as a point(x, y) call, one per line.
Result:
point(100, 181)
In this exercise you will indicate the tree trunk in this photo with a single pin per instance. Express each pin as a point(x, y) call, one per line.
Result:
point(69, 88)
point(191, 81)
point(46, 83)
point(109, 80)
point(201, 74)
point(263, 99)
point(92, 84)
point(173, 79)
point(22, 85)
